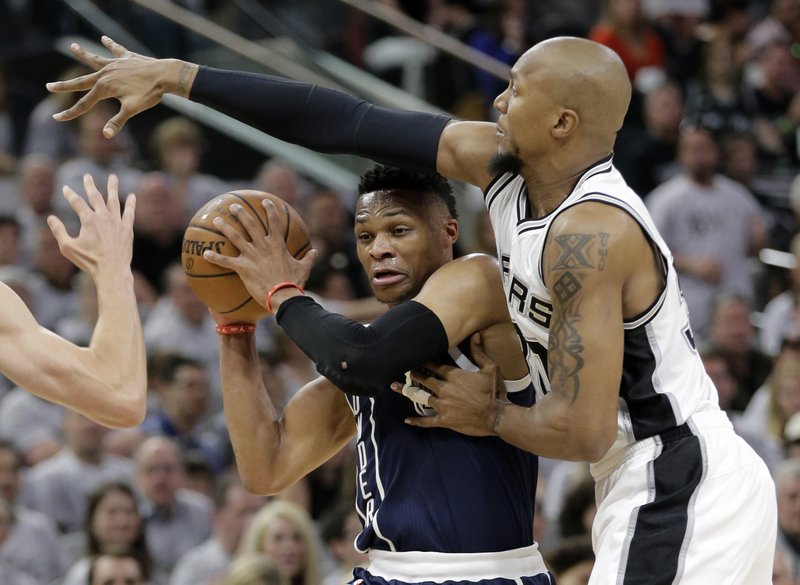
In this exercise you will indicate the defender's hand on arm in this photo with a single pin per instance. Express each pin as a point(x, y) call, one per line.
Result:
point(137, 81)
point(466, 402)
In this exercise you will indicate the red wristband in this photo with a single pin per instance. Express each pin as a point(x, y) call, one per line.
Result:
point(236, 328)
point(279, 286)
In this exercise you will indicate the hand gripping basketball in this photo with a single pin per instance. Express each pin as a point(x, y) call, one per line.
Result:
point(249, 241)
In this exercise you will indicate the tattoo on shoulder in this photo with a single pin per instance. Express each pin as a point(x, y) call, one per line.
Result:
point(579, 255)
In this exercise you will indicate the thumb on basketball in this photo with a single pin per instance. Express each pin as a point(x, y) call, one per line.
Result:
point(307, 262)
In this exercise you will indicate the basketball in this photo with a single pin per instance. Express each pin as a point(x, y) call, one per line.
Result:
point(220, 288)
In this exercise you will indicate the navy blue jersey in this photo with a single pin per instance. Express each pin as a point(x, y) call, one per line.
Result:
point(437, 490)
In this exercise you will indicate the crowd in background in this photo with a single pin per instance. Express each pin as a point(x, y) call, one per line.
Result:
point(710, 144)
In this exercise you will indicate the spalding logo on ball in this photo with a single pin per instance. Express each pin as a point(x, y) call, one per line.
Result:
point(220, 288)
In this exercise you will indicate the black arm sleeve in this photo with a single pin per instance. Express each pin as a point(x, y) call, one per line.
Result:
point(358, 359)
point(322, 119)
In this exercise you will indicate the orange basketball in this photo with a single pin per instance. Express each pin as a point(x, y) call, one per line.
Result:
point(220, 288)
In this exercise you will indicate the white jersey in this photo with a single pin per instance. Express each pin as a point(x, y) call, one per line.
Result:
point(663, 379)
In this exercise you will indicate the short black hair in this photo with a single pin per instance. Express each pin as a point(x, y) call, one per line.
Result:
point(384, 178)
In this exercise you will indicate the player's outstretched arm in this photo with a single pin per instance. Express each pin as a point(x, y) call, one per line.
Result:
point(276, 449)
point(317, 118)
point(106, 381)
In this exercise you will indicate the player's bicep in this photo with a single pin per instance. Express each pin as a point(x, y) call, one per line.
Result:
point(317, 423)
point(466, 295)
point(465, 149)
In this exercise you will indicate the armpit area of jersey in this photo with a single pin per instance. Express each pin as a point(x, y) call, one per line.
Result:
point(364, 360)
point(322, 119)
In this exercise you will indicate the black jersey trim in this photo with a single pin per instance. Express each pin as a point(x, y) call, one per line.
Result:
point(490, 197)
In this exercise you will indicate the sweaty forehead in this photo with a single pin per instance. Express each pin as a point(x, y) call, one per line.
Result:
point(389, 204)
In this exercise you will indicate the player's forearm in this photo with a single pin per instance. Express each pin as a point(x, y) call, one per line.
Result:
point(118, 353)
point(363, 360)
point(321, 119)
point(549, 430)
point(253, 421)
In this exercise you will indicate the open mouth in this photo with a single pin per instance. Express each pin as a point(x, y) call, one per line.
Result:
point(386, 277)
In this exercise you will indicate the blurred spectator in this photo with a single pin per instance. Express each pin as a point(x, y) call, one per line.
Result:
point(8, 131)
point(647, 154)
point(78, 328)
point(710, 249)
point(787, 485)
point(779, 398)
point(777, 106)
point(32, 424)
point(284, 181)
point(549, 18)
point(234, 509)
point(253, 569)
point(36, 189)
point(10, 240)
point(326, 486)
point(158, 229)
point(178, 145)
point(791, 437)
point(572, 560)
point(782, 25)
point(112, 522)
point(51, 281)
point(117, 567)
point(733, 333)
point(578, 509)
point(180, 323)
point(678, 22)
point(284, 532)
point(59, 487)
point(30, 541)
point(715, 98)
point(504, 39)
point(716, 365)
point(625, 29)
point(331, 232)
point(783, 573)
point(339, 528)
point(98, 156)
point(182, 390)
point(8, 572)
point(198, 474)
point(450, 82)
point(176, 519)
point(47, 137)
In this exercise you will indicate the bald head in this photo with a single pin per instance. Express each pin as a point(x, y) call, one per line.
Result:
point(583, 76)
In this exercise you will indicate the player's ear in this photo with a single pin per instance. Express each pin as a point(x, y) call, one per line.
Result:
point(451, 230)
point(566, 123)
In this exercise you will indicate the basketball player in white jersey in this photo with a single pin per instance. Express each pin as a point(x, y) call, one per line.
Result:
point(107, 381)
point(588, 281)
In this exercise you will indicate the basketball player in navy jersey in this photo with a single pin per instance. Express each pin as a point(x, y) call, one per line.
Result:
point(107, 381)
point(435, 505)
point(589, 283)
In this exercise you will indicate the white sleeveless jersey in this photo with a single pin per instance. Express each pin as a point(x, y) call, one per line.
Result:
point(663, 379)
